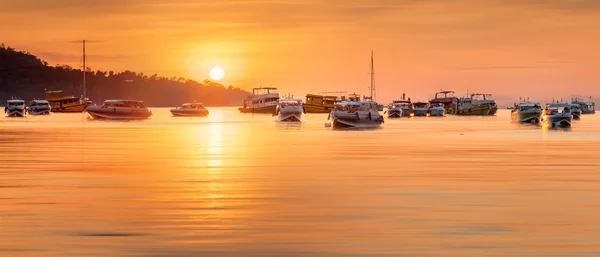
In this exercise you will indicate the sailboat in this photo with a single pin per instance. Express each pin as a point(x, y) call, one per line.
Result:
point(371, 98)
point(61, 102)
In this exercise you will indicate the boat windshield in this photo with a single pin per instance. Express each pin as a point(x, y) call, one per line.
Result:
point(123, 104)
point(527, 106)
point(420, 105)
point(192, 106)
point(15, 103)
point(437, 105)
point(289, 103)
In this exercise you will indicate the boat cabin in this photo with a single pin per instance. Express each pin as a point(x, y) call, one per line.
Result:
point(191, 106)
point(421, 105)
point(529, 105)
point(356, 106)
point(39, 103)
point(289, 102)
point(123, 104)
point(558, 107)
point(15, 102)
point(481, 97)
point(437, 104)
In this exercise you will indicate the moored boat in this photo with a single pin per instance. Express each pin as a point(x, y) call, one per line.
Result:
point(262, 100)
point(322, 103)
point(394, 110)
point(356, 115)
point(39, 107)
point(447, 99)
point(15, 108)
point(120, 110)
point(190, 109)
point(527, 112)
point(586, 107)
point(437, 109)
point(476, 104)
point(558, 115)
point(576, 111)
point(60, 102)
point(420, 109)
point(289, 109)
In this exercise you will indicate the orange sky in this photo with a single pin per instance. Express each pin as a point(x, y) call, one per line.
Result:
point(511, 48)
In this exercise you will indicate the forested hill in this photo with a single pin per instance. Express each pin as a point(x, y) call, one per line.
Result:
point(26, 76)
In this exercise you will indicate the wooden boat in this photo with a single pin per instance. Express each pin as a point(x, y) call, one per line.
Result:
point(447, 99)
point(189, 110)
point(120, 110)
point(322, 103)
point(262, 100)
point(476, 104)
point(527, 112)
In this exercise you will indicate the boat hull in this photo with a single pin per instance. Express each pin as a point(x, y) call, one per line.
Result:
point(70, 108)
point(189, 112)
point(38, 111)
point(437, 112)
point(264, 109)
point(313, 108)
point(394, 113)
point(406, 112)
point(576, 115)
point(360, 119)
point(527, 116)
point(478, 110)
point(15, 113)
point(290, 113)
point(100, 113)
point(562, 120)
point(420, 112)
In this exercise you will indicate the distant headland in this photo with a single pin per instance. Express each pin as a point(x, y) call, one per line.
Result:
point(26, 76)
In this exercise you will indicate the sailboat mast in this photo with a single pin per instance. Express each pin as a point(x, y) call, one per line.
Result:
point(372, 77)
point(84, 68)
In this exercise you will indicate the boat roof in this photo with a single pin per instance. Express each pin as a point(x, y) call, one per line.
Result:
point(446, 92)
point(40, 101)
point(270, 88)
point(290, 99)
point(559, 105)
point(351, 103)
point(188, 104)
point(54, 91)
point(401, 101)
point(118, 101)
point(528, 103)
point(15, 101)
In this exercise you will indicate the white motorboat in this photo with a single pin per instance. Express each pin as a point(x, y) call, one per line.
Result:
point(437, 109)
point(39, 107)
point(394, 110)
point(558, 115)
point(576, 111)
point(15, 108)
point(527, 112)
point(190, 109)
point(356, 115)
point(420, 109)
point(289, 109)
point(119, 110)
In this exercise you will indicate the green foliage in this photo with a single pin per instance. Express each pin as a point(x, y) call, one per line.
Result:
point(25, 75)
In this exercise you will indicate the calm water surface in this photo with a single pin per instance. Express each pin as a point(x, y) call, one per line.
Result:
point(244, 185)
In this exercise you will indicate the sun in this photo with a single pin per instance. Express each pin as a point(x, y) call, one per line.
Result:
point(216, 73)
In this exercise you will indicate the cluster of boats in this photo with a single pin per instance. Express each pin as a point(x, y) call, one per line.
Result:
point(555, 114)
